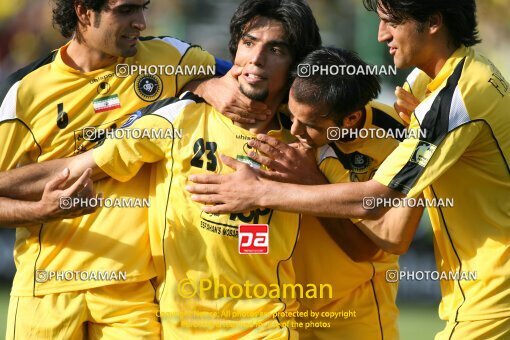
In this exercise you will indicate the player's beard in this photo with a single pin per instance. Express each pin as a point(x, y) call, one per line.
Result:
point(254, 94)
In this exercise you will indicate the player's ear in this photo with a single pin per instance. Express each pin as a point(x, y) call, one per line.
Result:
point(83, 14)
point(352, 119)
point(435, 23)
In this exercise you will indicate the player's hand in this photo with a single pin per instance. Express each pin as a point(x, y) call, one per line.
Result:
point(232, 193)
point(56, 201)
point(292, 163)
point(229, 100)
point(405, 105)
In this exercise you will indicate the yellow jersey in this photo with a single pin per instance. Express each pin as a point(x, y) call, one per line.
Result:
point(361, 292)
point(48, 110)
point(209, 284)
point(464, 160)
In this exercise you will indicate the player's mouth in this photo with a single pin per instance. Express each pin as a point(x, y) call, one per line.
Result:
point(131, 38)
point(253, 78)
point(393, 50)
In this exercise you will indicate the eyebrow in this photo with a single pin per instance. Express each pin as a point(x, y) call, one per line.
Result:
point(134, 6)
point(277, 42)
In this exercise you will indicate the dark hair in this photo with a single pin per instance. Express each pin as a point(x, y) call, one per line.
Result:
point(295, 15)
point(341, 93)
point(459, 16)
point(64, 14)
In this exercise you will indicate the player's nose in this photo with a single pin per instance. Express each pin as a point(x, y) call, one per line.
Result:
point(139, 21)
point(383, 34)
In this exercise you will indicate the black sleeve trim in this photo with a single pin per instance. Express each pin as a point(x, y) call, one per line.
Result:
point(388, 123)
point(435, 125)
point(6, 85)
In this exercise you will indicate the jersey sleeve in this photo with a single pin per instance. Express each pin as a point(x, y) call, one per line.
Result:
point(17, 140)
point(201, 60)
point(122, 158)
point(416, 164)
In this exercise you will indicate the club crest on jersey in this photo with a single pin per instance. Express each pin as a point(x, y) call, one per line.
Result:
point(359, 163)
point(132, 119)
point(148, 87)
point(423, 153)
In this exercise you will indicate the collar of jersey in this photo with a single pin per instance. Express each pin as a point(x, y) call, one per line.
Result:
point(62, 66)
point(448, 68)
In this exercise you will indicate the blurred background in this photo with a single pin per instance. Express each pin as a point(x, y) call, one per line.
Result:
point(26, 34)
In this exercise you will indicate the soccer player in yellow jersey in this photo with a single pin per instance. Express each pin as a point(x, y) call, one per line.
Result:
point(464, 155)
point(362, 295)
point(90, 274)
point(213, 282)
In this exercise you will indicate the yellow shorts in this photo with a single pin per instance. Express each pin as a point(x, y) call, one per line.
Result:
point(368, 313)
point(493, 329)
point(120, 311)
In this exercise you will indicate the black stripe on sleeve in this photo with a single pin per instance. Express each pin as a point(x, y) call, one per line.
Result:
point(388, 123)
point(435, 125)
point(167, 101)
point(342, 157)
point(21, 73)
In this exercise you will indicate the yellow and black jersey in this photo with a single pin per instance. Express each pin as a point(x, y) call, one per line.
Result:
point(361, 288)
point(50, 110)
point(192, 248)
point(463, 159)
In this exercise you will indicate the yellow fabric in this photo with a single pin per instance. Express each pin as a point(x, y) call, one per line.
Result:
point(470, 165)
point(492, 329)
point(123, 311)
point(113, 239)
point(189, 245)
point(358, 287)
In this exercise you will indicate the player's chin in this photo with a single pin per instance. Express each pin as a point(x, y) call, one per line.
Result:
point(128, 51)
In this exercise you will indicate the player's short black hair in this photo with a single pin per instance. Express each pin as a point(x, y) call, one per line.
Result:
point(459, 16)
point(64, 14)
point(342, 93)
point(295, 15)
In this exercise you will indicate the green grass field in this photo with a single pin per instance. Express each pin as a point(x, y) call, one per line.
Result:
point(416, 322)
point(4, 304)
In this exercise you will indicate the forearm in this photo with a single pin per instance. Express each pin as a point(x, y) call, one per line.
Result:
point(15, 213)
point(28, 182)
point(350, 239)
point(394, 231)
point(334, 200)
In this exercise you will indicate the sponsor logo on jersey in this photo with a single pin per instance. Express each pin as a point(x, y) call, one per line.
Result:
point(148, 87)
point(360, 163)
point(253, 239)
point(423, 153)
point(103, 88)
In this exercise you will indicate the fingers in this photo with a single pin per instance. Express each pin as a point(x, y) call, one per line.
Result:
point(275, 143)
point(218, 209)
point(263, 160)
point(239, 119)
point(406, 102)
point(232, 163)
point(79, 185)
point(235, 71)
point(206, 179)
point(207, 199)
point(202, 189)
point(265, 148)
point(59, 181)
point(405, 117)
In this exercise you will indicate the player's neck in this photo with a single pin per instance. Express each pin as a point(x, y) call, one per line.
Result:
point(271, 123)
point(441, 52)
point(81, 57)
